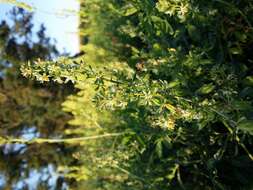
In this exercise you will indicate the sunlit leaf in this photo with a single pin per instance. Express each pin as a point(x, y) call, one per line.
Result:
point(130, 11)
point(246, 126)
point(206, 89)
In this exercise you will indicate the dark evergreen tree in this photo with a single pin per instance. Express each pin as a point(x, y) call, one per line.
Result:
point(29, 109)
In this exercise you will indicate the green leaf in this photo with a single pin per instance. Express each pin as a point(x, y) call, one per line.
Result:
point(247, 92)
point(130, 11)
point(193, 32)
point(158, 148)
point(172, 172)
point(206, 89)
point(162, 24)
point(174, 83)
point(242, 105)
point(246, 126)
point(235, 50)
point(248, 80)
point(206, 62)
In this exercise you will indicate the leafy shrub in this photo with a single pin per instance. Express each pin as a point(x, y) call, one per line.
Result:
point(176, 77)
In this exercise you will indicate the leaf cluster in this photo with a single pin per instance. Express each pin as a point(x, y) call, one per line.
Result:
point(176, 76)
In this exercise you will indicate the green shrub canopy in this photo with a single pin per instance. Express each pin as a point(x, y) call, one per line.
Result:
point(175, 77)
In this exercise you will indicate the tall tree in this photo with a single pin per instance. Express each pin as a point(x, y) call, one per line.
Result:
point(29, 109)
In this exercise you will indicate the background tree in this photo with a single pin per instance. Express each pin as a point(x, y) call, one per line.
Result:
point(29, 109)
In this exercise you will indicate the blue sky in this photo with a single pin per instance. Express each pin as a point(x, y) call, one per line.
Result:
point(59, 17)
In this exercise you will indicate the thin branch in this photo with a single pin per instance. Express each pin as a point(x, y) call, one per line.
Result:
point(67, 140)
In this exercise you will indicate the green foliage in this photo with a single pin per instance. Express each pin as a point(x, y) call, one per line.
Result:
point(175, 76)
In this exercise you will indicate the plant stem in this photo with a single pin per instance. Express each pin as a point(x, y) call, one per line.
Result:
point(67, 140)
